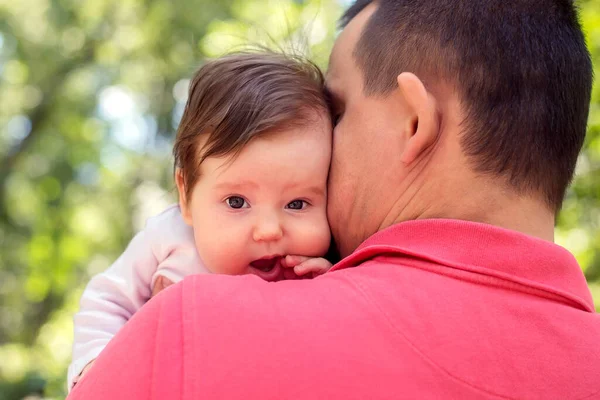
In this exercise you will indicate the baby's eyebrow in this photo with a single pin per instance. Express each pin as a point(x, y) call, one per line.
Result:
point(238, 185)
point(251, 185)
point(316, 190)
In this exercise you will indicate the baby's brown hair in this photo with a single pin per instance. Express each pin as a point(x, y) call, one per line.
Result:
point(238, 97)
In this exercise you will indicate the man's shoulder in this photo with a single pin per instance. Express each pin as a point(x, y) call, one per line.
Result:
point(249, 303)
point(245, 291)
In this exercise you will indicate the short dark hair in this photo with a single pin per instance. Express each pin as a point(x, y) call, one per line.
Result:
point(521, 69)
point(240, 96)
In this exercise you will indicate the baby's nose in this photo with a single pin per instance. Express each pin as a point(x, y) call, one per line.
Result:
point(268, 229)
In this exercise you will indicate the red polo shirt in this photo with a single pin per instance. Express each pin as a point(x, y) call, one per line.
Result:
point(426, 309)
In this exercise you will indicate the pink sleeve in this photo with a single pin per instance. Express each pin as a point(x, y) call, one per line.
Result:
point(110, 299)
point(128, 366)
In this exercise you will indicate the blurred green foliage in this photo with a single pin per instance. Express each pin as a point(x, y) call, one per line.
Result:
point(90, 95)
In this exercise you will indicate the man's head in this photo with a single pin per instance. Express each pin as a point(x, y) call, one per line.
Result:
point(498, 91)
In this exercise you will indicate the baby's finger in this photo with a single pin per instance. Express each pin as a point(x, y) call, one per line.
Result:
point(289, 274)
point(317, 266)
point(292, 261)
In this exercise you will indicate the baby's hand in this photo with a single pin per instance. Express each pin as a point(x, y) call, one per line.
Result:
point(160, 284)
point(304, 265)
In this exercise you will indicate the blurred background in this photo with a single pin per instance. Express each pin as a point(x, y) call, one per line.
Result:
point(90, 96)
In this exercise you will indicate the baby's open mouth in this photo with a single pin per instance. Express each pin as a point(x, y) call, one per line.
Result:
point(265, 264)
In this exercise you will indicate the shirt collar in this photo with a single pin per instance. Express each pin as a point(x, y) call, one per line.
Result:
point(483, 249)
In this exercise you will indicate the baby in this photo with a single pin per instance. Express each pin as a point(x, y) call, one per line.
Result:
point(251, 161)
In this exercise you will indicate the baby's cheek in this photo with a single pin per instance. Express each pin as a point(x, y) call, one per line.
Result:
point(219, 252)
point(316, 238)
point(325, 237)
point(221, 259)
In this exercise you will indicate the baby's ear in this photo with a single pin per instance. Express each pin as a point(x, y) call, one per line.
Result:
point(183, 200)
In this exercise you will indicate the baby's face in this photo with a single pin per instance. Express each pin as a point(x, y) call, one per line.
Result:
point(268, 202)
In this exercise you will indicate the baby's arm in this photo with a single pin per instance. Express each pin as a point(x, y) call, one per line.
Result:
point(110, 299)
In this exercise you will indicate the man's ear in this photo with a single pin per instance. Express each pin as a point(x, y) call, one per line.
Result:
point(183, 200)
point(423, 125)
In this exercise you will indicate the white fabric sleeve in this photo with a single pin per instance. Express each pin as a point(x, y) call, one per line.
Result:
point(110, 299)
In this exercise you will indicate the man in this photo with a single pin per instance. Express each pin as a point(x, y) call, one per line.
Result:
point(458, 125)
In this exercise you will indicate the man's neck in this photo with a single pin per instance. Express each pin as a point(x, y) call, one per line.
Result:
point(473, 199)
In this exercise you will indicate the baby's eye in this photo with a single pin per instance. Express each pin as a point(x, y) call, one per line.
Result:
point(236, 202)
point(297, 205)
